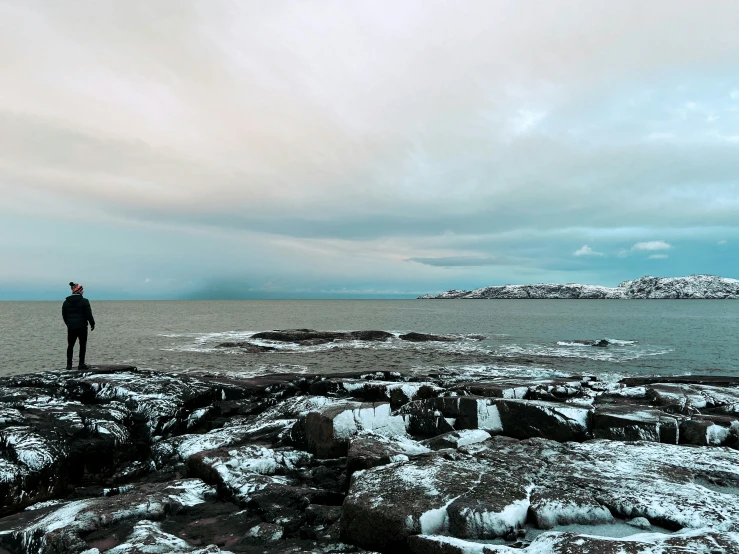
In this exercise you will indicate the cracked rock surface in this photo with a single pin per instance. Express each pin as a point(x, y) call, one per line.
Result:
point(119, 460)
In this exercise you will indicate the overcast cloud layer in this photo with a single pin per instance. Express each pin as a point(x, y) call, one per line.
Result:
point(370, 148)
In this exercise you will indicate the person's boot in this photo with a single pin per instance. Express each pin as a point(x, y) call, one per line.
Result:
point(83, 366)
point(69, 366)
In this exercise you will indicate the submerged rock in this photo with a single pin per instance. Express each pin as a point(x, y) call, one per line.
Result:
point(313, 337)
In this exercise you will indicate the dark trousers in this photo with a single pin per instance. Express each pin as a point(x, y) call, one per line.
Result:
point(72, 336)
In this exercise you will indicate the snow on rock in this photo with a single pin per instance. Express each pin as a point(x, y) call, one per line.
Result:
point(684, 398)
point(536, 418)
point(459, 412)
point(368, 450)
point(493, 488)
point(692, 286)
point(397, 393)
point(695, 542)
point(455, 439)
point(148, 538)
point(328, 430)
point(179, 449)
point(247, 469)
point(436, 494)
point(48, 529)
point(629, 423)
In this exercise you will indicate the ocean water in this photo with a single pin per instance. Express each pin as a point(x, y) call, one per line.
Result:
point(519, 337)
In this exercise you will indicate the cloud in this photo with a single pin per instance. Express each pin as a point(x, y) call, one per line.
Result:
point(321, 146)
point(651, 246)
point(587, 251)
point(658, 257)
point(465, 261)
point(722, 242)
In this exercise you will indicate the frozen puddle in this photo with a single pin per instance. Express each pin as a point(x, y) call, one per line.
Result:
point(617, 530)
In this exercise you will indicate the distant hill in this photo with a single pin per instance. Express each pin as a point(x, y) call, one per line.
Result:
point(690, 287)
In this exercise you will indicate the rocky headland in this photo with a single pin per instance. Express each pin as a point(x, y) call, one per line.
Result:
point(690, 287)
point(119, 460)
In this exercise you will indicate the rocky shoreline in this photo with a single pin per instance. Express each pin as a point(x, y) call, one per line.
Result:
point(119, 460)
point(706, 287)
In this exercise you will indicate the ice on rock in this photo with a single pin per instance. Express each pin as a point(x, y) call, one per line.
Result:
point(492, 488)
point(248, 469)
point(328, 431)
point(149, 538)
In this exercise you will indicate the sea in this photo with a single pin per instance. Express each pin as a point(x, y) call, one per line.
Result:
point(516, 338)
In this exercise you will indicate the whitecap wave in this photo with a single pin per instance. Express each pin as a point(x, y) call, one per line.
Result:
point(616, 355)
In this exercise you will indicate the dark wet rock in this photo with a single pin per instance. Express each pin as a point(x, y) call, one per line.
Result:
point(694, 398)
point(456, 439)
point(714, 380)
point(311, 337)
point(397, 393)
point(572, 543)
point(278, 453)
point(327, 431)
point(710, 430)
point(388, 504)
point(369, 450)
point(492, 489)
point(425, 337)
point(62, 528)
point(435, 416)
point(241, 472)
point(245, 346)
point(535, 418)
point(626, 423)
point(49, 445)
point(602, 343)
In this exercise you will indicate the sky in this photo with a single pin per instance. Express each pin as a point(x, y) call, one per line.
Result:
point(324, 149)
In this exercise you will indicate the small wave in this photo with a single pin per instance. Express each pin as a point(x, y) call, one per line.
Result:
point(621, 342)
point(477, 371)
point(587, 352)
point(206, 343)
point(588, 343)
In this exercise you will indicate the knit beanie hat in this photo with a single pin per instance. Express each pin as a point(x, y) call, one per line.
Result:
point(76, 288)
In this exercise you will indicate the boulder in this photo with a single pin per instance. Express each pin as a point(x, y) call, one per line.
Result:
point(524, 419)
point(433, 495)
point(368, 450)
point(327, 431)
point(495, 488)
point(694, 398)
point(714, 430)
point(241, 471)
point(375, 390)
point(456, 439)
point(443, 414)
point(627, 423)
point(63, 528)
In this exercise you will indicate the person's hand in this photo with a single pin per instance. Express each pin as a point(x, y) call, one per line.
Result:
point(92, 328)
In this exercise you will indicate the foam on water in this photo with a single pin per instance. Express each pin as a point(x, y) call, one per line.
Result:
point(577, 350)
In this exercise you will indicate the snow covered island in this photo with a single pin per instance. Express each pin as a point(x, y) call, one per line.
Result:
point(692, 286)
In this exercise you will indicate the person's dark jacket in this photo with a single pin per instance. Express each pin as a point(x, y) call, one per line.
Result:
point(77, 312)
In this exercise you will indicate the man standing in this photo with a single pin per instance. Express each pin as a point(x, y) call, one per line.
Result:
point(77, 313)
